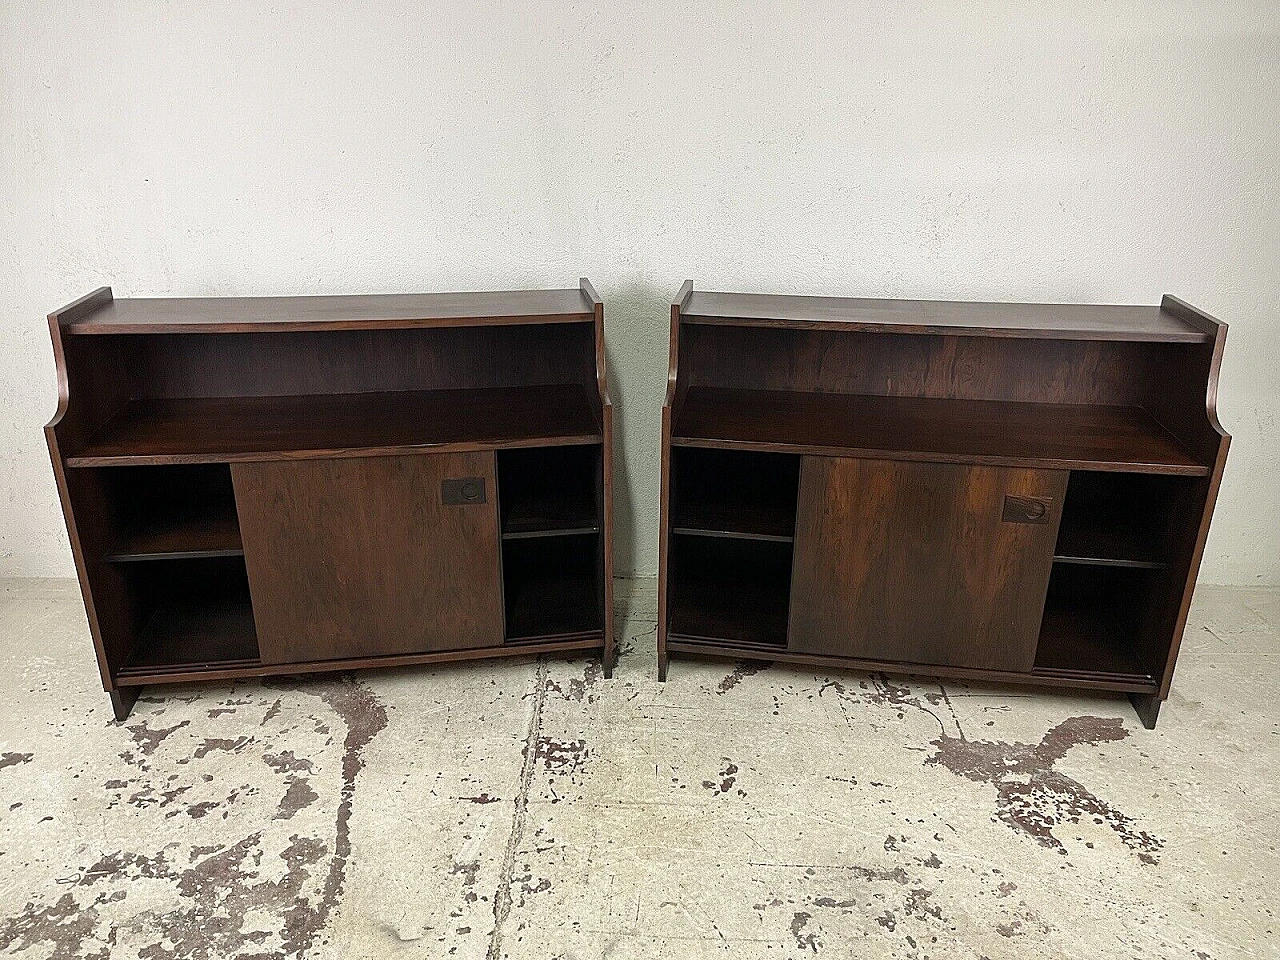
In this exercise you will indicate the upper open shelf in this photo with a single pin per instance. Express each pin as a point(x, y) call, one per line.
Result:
point(227, 429)
point(387, 311)
point(1058, 321)
point(1002, 433)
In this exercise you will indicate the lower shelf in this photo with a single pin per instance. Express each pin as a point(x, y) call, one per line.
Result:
point(1093, 623)
point(200, 617)
point(1088, 643)
point(734, 651)
point(730, 590)
point(551, 586)
point(194, 635)
point(593, 642)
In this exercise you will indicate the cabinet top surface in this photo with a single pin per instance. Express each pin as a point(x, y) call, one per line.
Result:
point(1043, 320)
point(375, 311)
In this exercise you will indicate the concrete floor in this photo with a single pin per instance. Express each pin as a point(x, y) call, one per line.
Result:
point(531, 809)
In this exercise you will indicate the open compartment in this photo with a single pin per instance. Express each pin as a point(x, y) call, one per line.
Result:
point(192, 614)
point(726, 493)
point(551, 586)
point(169, 512)
point(729, 590)
point(186, 398)
point(1016, 399)
point(1094, 622)
point(1120, 519)
point(549, 491)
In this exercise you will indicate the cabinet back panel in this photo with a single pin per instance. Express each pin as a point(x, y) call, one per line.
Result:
point(358, 361)
point(909, 365)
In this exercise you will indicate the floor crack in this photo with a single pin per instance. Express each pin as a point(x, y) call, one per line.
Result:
point(502, 898)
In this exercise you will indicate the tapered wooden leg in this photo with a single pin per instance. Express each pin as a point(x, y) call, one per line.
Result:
point(122, 700)
point(1148, 707)
point(608, 658)
point(662, 665)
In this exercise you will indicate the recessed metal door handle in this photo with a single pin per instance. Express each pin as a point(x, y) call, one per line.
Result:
point(462, 490)
point(1026, 509)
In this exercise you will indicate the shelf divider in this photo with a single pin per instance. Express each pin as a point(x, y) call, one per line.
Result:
point(176, 538)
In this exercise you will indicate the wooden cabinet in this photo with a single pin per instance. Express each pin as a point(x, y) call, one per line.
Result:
point(929, 563)
point(363, 557)
point(263, 485)
point(1002, 492)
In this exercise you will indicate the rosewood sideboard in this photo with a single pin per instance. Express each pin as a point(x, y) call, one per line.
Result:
point(993, 491)
point(262, 486)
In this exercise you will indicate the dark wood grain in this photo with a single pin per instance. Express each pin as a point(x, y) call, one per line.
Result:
point(157, 513)
point(674, 386)
point(111, 611)
point(604, 478)
point(376, 311)
point(229, 429)
point(1087, 641)
point(1112, 373)
point(1190, 410)
point(999, 433)
point(1094, 622)
point(912, 562)
point(1058, 321)
point(351, 360)
point(184, 633)
point(189, 613)
point(361, 557)
point(1121, 519)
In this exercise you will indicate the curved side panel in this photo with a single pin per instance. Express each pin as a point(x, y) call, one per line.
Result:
point(72, 312)
point(1218, 330)
point(668, 406)
point(606, 457)
point(83, 489)
point(1204, 431)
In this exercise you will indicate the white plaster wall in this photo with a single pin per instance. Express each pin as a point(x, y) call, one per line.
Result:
point(1091, 151)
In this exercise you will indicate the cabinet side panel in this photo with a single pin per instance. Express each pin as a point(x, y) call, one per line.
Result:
point(363, 556)
point(921, 562)
point(93, 384)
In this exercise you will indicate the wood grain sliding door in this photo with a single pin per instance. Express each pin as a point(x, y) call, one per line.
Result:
point(368, 556)
point(923, 562)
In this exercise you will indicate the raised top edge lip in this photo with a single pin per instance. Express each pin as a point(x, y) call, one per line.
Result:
point(1123, 322)
point(320, 311)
